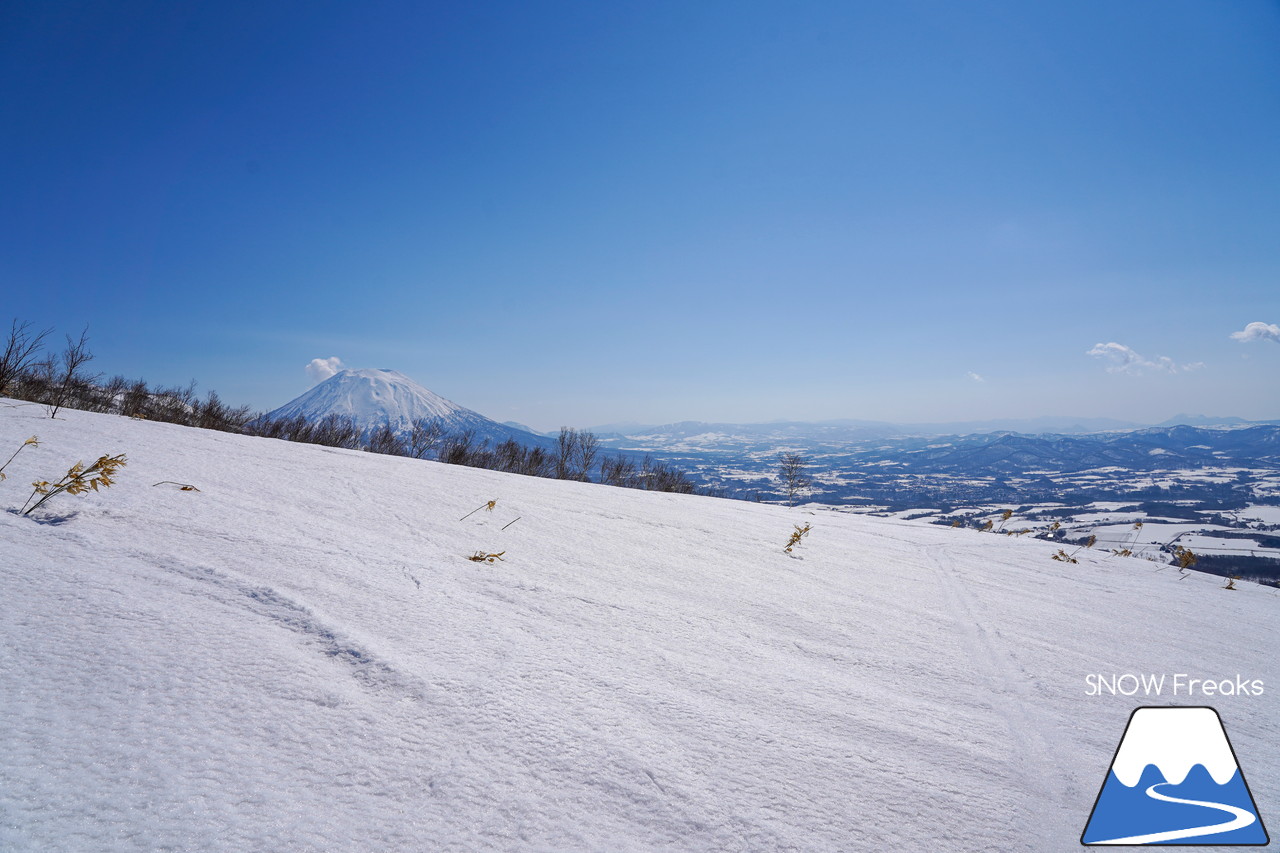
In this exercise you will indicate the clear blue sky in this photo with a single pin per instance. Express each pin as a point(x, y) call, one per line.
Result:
point(577, 213)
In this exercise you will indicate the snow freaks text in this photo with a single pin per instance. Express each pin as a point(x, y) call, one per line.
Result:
point(1164, 684)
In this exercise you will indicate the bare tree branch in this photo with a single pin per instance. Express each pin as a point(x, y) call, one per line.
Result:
point(74, 357)
point(19, 354)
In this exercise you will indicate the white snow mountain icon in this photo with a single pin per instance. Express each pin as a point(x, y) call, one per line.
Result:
point(1175, 780)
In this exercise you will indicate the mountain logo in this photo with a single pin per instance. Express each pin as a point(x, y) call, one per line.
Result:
point(1175, 780)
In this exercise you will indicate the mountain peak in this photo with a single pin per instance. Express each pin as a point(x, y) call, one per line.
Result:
point(374, 397)
point(371, 372)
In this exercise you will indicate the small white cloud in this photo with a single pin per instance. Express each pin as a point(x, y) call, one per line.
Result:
point(975, 377)
point(321, 369)
point(1123, 359)
point(1258, 332)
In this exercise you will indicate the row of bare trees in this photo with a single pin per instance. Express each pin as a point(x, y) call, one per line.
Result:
point(55, 380)
point(21, 356)
point(61, 380)
point(58, 380)
point(575, 455)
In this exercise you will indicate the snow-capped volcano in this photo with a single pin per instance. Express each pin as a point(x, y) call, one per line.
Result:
point(373, 397)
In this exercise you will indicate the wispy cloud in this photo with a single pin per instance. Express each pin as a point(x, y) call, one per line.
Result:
point(320, 369)
point(1258, 332)
point(975, 377)
point(1123, 359)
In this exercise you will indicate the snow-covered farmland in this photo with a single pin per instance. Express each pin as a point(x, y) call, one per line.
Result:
point(1262, 514)
point(299, 656)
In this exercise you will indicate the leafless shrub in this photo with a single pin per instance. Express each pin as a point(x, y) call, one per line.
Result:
point(575, 454)
point(793, 474)
point(509, 456)
point(386, 440)
point(330, 431)
point(21, 348)
point(135, 399)
point(287, 429)
point(424, 435)
point(619, 470)
point(68, 373)
point(535, 462)
point(659, 477)
point(334, 431)
point(36, 383)
point(563, 461)
point(212, 413)
point(587, 446)
point(461, 448)
point(98, 396)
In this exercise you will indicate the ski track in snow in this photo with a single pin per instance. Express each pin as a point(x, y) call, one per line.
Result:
point(1011, 698)
point(366, 668)
point(299, 657)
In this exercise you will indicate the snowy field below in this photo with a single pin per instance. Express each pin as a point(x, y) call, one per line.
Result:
point(1263, 514)
point(300, 656)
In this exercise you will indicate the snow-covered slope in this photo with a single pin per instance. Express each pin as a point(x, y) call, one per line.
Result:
point(375, 397)
point(299, 656)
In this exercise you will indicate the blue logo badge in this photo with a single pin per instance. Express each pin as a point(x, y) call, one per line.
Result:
point(1175, 780)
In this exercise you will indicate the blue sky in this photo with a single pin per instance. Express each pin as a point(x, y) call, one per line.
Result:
point(579, 213)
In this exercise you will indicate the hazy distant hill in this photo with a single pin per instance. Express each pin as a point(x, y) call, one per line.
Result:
point(724, 435)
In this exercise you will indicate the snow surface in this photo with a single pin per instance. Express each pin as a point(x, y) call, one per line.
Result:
point(299, 657)
point(1265, 514)
point(1154, 532)
point(1207, 543)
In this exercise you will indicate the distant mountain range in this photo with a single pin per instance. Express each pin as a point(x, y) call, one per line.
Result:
point(1206, 420)
point(692, 435)
point(1136, 450)
point(855, 430)
point(928, 470)
point(375, 397)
